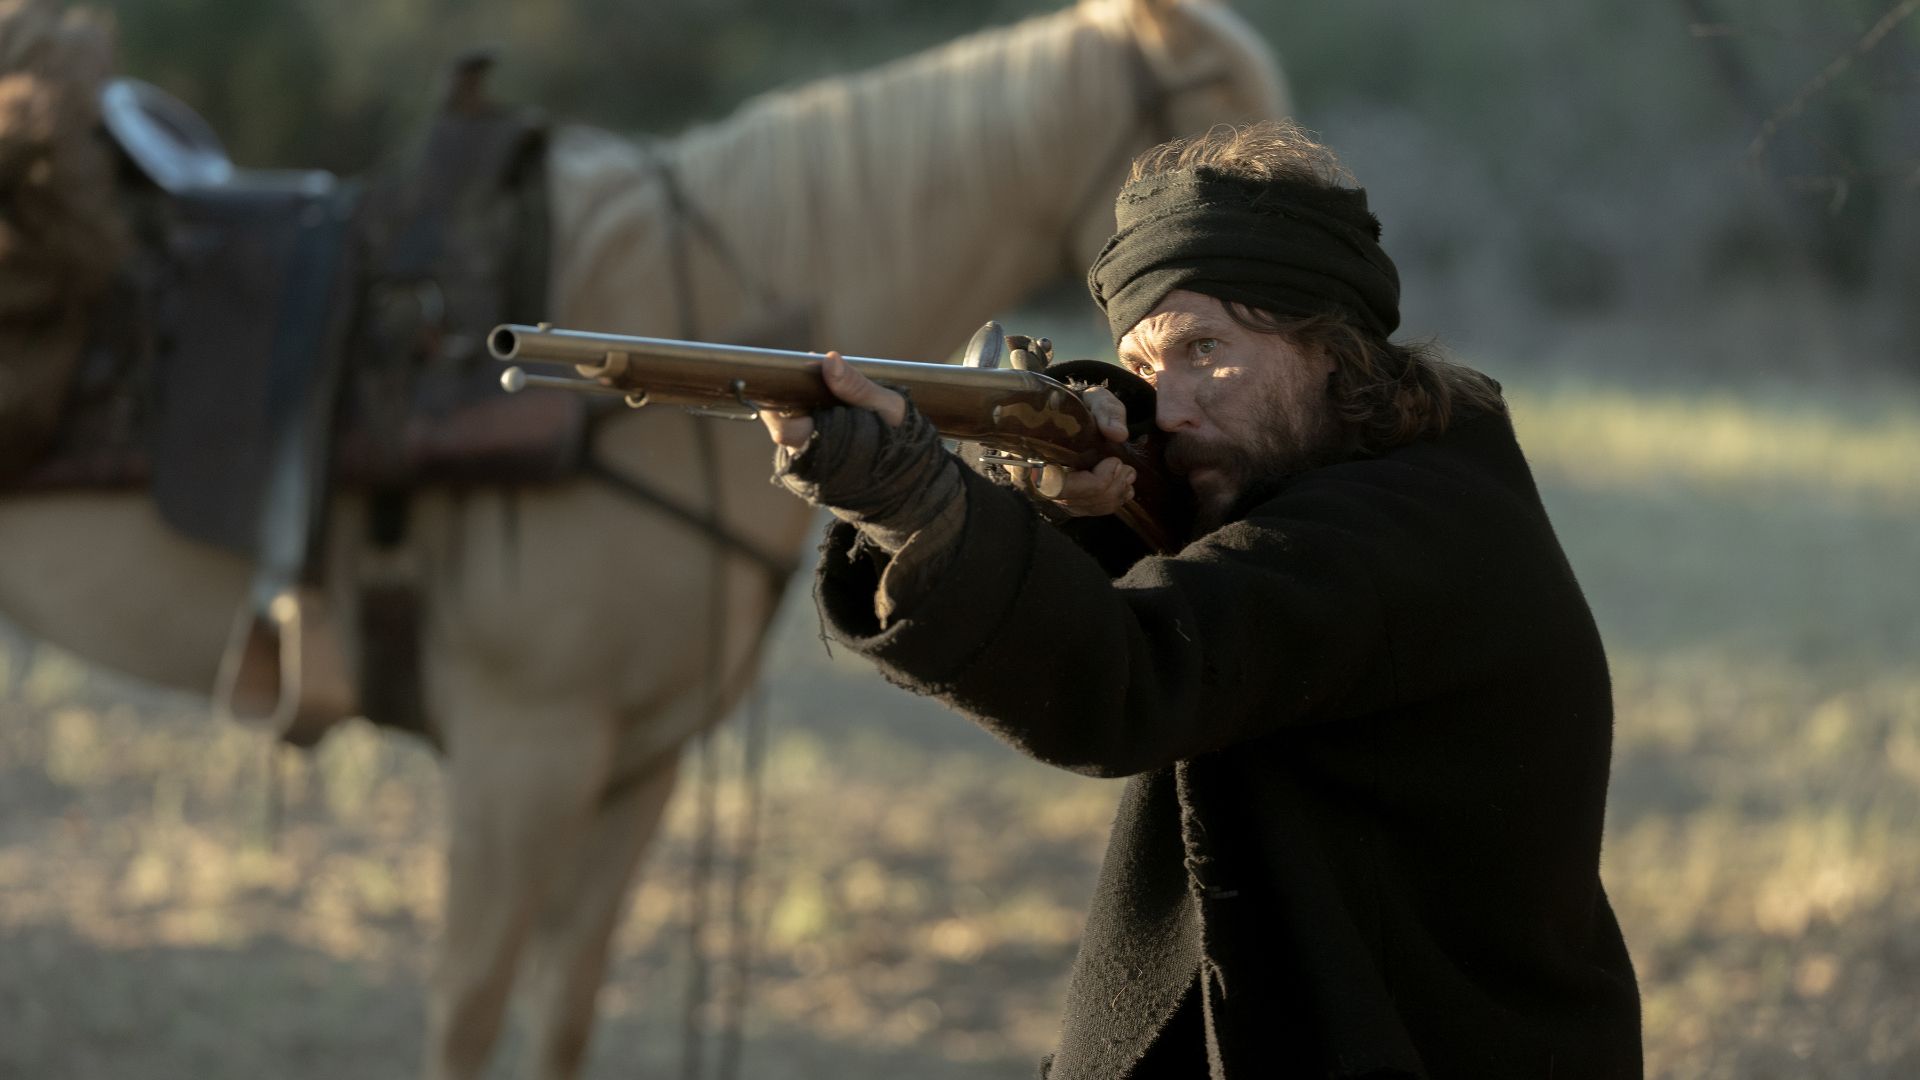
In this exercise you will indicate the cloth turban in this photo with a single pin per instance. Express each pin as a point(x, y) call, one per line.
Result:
point(1287, 247)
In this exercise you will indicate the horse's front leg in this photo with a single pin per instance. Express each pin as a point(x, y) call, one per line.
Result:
point(573, 929)
point(523, 782)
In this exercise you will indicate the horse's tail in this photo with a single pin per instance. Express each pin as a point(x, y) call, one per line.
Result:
point(61, 233)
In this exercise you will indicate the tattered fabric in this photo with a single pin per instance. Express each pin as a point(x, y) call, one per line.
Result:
point(1285, 247)
point(895, 484)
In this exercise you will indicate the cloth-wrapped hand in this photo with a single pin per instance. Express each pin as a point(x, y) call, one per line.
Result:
point(890, 482)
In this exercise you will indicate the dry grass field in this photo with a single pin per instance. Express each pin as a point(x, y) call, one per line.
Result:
point(1755, 565)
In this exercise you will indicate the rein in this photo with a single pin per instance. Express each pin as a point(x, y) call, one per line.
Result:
point(685, 220)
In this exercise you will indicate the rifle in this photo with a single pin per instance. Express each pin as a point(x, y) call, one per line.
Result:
point(1022, 418)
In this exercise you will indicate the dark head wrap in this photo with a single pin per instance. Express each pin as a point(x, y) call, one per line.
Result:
point(1285, 246)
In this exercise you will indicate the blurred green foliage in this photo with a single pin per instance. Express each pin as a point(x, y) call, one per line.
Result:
point(306, 81)
point(1603, 147)
point(335, 82)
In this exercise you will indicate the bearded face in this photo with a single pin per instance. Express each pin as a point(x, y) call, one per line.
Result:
point(1240, 406)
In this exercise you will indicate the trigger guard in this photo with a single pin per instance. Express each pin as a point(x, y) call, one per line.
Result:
point(1135, 393)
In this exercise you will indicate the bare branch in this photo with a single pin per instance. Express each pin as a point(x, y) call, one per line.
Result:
point(1727, 64)
point(1837, 188)
point(1798, 103)
point(1711, 30)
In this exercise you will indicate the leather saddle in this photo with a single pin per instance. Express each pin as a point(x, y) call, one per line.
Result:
point(283, 333)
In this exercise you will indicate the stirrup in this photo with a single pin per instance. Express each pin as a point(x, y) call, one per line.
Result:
point(283, 669)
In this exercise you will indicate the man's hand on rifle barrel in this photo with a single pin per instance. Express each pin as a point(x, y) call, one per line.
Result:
point(1103, 489)
point(849, 386)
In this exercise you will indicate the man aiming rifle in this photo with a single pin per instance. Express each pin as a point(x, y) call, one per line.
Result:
point(1364, 713)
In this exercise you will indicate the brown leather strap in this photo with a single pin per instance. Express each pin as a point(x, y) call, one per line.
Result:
point(705, 523)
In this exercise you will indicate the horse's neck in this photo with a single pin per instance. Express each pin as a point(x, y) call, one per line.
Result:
point(905, 205)
point(899, 207)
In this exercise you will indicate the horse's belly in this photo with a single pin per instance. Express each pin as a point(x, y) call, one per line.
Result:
point(104, 577)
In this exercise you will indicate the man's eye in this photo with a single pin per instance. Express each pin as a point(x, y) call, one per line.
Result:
point(1205, 346)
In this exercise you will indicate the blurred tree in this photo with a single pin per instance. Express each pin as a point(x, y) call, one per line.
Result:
point(332, 83)
point(1828, 94)
point(256, 67)
point(1592, 155)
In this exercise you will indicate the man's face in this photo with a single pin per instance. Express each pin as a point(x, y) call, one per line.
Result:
point(1239, 405)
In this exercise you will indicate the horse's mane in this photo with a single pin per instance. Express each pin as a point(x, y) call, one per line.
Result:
point(61, 236)
point(966, 93)
point(909, 155)
point(850, 194)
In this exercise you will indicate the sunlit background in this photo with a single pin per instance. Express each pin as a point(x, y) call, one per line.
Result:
point(1684, 235)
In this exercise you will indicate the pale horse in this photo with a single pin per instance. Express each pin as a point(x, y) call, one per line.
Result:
point(563, 662)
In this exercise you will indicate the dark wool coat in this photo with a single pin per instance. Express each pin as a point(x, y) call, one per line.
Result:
point(1367, 727)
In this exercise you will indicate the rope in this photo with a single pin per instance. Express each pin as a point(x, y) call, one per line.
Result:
point(272, 808)
point(688, 216)
point(733, 1002)
point(778, 569)
point(706, 828)
point(740, 938)
point(732, 1005)
point(693, 1032)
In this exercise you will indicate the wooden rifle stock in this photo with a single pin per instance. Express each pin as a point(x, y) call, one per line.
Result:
point(1022, 414)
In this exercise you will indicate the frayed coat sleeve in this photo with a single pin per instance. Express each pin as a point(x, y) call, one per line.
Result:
point(1254, 628)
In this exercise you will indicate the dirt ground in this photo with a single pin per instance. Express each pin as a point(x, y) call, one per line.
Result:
point(919, 890)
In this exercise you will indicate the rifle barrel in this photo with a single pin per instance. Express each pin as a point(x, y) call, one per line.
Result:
point(1023, 413)
point(1001, 404)
point(591, 351)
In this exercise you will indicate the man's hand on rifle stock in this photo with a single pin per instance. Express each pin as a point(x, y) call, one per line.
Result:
point(1103, 489)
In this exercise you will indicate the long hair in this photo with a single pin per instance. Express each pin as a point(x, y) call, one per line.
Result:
point(1384, 393)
